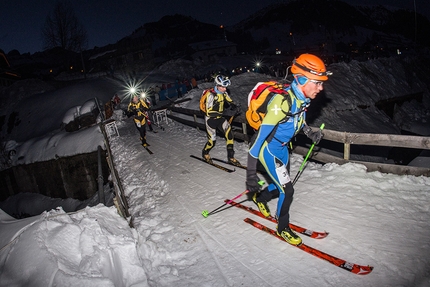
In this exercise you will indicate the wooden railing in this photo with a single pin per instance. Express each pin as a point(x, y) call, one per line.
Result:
point(120, 199)
point(243, 133)
point(386, 140)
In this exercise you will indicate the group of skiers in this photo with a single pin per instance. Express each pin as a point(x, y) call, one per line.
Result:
point(283, 120)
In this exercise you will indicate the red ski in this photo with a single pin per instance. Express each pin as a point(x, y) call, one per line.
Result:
point(351, 267)
point(299, 229)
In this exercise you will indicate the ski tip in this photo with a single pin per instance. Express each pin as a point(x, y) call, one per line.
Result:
point(205, 213)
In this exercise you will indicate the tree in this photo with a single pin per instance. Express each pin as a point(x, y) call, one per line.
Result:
point(62, 29)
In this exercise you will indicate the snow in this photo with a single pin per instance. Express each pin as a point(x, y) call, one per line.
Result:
point(373, 218)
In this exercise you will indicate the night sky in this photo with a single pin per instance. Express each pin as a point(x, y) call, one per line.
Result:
point(106, 22)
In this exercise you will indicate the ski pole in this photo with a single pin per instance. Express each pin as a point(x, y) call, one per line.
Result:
point(231, 119)
point(305, 160)
point(205, 213)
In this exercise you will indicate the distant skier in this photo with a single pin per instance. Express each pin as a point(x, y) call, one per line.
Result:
point(283, 120)
point(138, 109)
point(216, 98)
point(148, 114)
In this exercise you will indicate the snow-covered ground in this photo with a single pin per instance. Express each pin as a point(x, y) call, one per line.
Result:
point(373, 218)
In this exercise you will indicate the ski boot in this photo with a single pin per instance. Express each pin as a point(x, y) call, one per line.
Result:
point(144, 143)
point(230, 156)
point(288, 235)
point(262, 206)
point(234, 161)
point(207, 157)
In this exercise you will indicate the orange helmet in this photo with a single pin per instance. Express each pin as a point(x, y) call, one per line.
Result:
point(311, 67)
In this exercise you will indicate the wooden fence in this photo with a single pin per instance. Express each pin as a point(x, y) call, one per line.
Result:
point(243, 132)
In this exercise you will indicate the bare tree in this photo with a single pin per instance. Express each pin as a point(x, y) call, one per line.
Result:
point(62, 29)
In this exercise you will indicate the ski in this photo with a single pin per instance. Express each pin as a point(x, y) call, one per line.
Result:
point(148, 150)
point(351, 267)
point(239, 166)
point(214, 164)
point(226, 162)
point(299, 229)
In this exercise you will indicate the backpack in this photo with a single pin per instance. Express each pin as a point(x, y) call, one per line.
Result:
point(259, 98)
point(203, 99)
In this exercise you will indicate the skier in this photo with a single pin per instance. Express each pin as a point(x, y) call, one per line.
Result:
point(138, 109)
point(283, 120)
point(216, 98)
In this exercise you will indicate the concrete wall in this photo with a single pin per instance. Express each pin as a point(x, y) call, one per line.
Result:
point(72, 177)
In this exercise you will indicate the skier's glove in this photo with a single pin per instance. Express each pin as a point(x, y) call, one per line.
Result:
point(131, 112)
point(252, 181)
point(315, 136)
point(252, 184)
point(236, 108)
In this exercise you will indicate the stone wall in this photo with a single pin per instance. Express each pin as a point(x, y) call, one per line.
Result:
point(70, 177)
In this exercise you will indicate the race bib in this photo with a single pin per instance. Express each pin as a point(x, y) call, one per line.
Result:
point(282, 173)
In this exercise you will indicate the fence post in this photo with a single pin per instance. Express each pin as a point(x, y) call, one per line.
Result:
point(346, 150)
point(245, 132)
point(195, 120)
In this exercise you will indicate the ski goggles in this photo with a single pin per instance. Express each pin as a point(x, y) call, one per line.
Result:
point(318, 83)
point(223, 82)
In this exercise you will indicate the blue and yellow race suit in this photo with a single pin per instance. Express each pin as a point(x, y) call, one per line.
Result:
point(214, 120)
point(283, 120)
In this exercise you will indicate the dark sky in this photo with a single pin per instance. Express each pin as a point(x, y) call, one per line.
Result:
point(106, 22)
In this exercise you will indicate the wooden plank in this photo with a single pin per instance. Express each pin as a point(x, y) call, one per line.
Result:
point(371, 166)
point(418, 142)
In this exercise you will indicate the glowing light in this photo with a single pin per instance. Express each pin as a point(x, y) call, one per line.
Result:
point(257, 64)
point(131, 87)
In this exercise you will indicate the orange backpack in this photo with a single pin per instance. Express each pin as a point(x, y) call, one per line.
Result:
point(203, 99)
point(258, 99)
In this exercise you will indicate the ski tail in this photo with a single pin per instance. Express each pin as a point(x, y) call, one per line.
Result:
point(147, 149)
